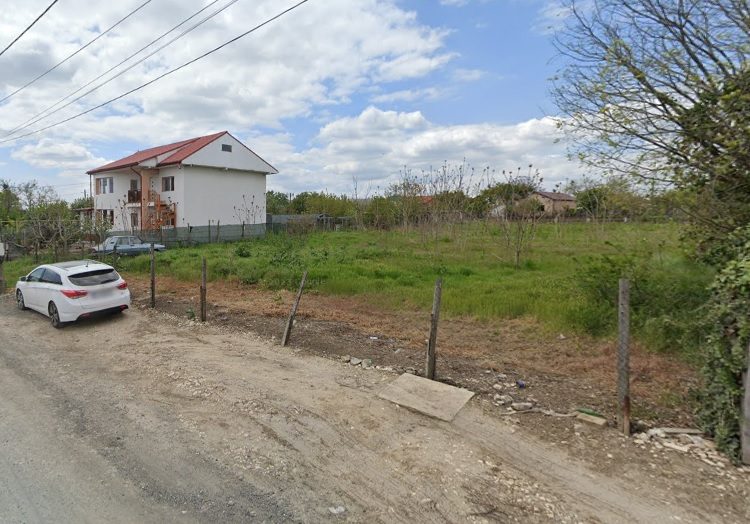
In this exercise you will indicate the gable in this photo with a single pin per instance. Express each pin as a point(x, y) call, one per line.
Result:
point(240, 157)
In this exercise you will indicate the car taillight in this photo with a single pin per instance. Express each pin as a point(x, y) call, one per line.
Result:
point(73, 293)
point(122, 285)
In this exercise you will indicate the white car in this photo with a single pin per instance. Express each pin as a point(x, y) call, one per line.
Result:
point(69, 291)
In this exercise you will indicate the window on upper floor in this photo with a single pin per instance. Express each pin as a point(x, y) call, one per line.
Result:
point(226, 147)
point(105, 185)
point(167, 183)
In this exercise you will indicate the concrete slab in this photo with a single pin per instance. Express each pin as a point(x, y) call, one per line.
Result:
point(426, 396)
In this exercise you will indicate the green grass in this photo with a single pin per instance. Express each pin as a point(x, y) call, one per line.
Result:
point(395, 269)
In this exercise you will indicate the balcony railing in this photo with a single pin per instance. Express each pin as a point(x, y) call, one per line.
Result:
point(134, 196)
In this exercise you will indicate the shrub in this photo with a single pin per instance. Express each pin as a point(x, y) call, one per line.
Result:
point(665, 300)
point(243, 251)
point(725, 351)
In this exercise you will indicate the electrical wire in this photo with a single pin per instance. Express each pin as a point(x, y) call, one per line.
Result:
point(41, 115)
point(159, 77)
point(30, 26)
point(74, 53)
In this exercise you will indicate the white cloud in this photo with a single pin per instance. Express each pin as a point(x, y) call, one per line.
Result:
point(374, 145)
point(50, 154)
point(552, 16)
point(317, 56)
point(409, 95)
point(468, 75)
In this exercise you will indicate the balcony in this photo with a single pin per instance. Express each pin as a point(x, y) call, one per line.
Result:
point(134, 196)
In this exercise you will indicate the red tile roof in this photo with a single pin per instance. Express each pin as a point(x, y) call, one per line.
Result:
point(181, 150)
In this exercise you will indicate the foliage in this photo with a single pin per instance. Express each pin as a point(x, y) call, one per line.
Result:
point(631, 70)
point(82, 202)
point(667, 295)
point(716, 140)
point(10, 203)
point(277, 203)
point(726, 350)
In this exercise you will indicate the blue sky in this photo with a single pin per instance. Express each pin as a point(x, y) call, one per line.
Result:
point(334, 91)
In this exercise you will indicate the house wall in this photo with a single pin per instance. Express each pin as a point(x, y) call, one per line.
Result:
point(213, 194)
point(240, 157)
point(115, 200)
point(177, 196)
point(554, 206)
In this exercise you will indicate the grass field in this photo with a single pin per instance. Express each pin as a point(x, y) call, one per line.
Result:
point(567, 280)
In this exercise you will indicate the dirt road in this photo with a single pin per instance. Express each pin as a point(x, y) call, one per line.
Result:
point(147, 418)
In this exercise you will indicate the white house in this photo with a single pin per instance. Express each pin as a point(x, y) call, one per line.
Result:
point(212, 178)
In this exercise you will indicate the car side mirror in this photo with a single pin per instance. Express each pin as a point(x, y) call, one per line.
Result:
point(22, 279)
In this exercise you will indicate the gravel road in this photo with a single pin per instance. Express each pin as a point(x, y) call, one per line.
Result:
point(146, 418)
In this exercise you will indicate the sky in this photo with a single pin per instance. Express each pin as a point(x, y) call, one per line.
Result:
point(332, 92)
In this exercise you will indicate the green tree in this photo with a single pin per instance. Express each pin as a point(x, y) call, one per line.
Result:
point(10, 203)
point(277, 203)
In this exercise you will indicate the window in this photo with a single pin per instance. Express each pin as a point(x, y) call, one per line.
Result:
point(105, 185)
point(134, 184)
point(226, 147)
point(50, 277)
point(167, 183)
point(94, 278)
point(133, 219)
point(106, 215)
point(35, 275)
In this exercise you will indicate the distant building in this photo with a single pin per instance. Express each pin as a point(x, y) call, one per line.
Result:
point(554, 203)
point(213, 178)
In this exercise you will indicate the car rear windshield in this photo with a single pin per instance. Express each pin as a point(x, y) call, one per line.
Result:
point(94, 278)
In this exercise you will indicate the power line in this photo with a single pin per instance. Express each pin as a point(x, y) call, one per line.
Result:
point(41, 115)
point(61, 62)
point(30, 26)
point(153, 80)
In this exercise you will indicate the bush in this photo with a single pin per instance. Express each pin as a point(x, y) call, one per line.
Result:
point(725, 351)
point(665, 300)
point(243, 251)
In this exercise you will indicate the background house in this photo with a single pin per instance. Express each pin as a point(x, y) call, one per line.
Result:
point(554, 203)
point(195, 182)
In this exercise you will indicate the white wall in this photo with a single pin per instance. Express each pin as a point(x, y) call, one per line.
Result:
point(117, 199)
point(212, 194)
point(240, 157)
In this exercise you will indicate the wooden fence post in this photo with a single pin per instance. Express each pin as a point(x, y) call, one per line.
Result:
point(153, 277)
point(114, 256)
point(623, 355)
point(434, 318)
point(2, 276)
point(203, 290)
point(290, 321)
point(745, 424)
point(218, 229)
point(209, 231)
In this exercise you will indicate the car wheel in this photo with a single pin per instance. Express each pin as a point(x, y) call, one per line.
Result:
point(19, 300)
point(54, 316)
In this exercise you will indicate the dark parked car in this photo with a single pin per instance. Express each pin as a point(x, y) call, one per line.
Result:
point(126, 245)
